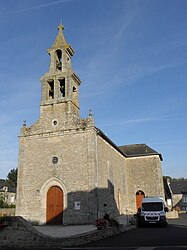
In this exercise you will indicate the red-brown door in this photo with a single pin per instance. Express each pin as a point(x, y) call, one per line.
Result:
point(54, 206)
point(139, 197)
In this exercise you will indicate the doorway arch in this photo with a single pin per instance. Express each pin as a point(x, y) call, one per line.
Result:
point(139, 197)
point(54, 206)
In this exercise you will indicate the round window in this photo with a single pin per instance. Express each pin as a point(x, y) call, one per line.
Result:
point(55, 122)
point(55, 160)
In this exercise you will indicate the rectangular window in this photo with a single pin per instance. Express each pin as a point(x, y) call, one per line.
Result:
point(51, 89)
point(152, 206)
point(62, 87)
point(59, 59)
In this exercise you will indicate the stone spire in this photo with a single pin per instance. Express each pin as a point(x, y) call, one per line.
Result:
point(60, 39)
point(60, 53)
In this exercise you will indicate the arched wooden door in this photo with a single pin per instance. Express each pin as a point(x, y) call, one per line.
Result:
point(54, 212)
point(139, 197)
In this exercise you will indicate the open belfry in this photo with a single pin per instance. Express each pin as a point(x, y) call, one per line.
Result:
point(69, 171)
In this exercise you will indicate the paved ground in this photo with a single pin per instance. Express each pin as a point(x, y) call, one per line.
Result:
point(182, 220)
point(66, 231)
point(152, 237)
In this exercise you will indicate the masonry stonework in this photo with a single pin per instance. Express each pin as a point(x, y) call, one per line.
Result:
point(143, 173)
point(63, 155)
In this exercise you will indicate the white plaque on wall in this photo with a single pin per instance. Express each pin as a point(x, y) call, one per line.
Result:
point(77, 205)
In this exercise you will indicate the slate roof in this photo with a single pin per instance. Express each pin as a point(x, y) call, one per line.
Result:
point(135, 150)
point(178, 187)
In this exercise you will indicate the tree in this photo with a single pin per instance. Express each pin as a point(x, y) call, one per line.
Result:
point(3, 203)
point(12, 177)
point(173, 179)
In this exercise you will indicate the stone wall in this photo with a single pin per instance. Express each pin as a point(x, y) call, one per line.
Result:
point(111, 179)
point(74, 173)
point(18, 233)
point(143, 173)
point(7, 212)
point(172, 215)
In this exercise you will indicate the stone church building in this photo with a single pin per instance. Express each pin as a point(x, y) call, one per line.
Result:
point(69, 171)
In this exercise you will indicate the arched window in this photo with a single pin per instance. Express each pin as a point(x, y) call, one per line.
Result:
point(59, 59)
point(51, 89)
point(62, 87)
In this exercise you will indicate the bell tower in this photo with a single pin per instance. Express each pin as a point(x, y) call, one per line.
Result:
point(60, 85)
point(57, 152)
point(59, 106)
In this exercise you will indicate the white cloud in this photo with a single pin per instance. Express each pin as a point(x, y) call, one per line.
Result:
point(125, 22)
point(36, 7)
point(168, 117)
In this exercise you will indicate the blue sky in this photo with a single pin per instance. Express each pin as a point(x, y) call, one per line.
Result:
point(130, 55)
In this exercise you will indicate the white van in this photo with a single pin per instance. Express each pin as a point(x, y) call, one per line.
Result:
point(153, 211)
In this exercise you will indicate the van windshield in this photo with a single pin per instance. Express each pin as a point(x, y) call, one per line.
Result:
point(152, 206)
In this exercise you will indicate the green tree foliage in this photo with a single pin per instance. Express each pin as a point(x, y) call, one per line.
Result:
point(12, 177)
point(3, 203)
point(173, 179)
point(180, 179)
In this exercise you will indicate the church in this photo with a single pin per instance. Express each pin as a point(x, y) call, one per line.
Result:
point(69, 171)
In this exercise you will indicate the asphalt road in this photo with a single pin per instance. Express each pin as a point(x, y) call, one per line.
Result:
point(172, 237)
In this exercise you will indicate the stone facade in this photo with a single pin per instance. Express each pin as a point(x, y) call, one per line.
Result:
point(62, 150)
point(143, 173)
